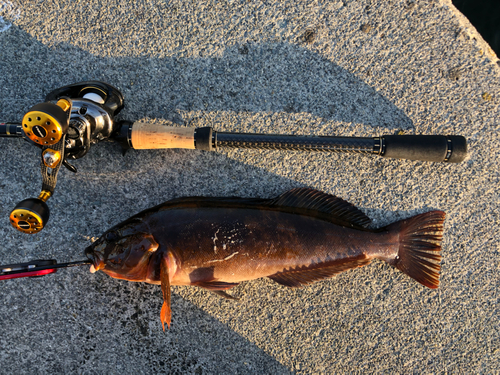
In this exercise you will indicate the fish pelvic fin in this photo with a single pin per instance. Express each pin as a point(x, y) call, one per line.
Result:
point(223, 294)
point(214, 285)
point(166, 313)
point(420, 239)
point(300, 276)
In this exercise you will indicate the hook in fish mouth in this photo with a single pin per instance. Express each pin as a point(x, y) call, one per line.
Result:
point(97, 262)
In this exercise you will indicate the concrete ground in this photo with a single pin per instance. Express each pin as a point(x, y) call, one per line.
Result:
point(351, 68)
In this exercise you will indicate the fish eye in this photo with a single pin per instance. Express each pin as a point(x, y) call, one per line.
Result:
point(111, 236)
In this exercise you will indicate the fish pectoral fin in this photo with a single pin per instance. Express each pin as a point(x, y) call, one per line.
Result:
point(300, 276)
point(166, 313)
point(223, 294)
point(214, 285)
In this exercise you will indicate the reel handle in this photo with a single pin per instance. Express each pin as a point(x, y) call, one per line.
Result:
point(31, 215)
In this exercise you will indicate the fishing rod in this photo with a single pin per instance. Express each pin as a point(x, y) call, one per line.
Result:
point(76, 116)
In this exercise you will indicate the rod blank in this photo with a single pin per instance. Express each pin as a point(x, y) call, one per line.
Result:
point(297, 143)
point(436, 148)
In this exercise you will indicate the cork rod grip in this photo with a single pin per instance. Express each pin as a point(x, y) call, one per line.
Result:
point(153, 136)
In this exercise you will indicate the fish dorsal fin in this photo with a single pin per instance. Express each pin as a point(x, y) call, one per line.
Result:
point(314, 200)
point(303, 201)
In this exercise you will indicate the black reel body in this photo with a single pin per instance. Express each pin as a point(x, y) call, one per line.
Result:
point(72, 119)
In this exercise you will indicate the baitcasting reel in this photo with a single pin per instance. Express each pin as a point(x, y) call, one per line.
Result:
point(77, 116)
point(72, 119)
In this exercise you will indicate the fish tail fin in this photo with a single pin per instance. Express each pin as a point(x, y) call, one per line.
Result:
point(419, 246)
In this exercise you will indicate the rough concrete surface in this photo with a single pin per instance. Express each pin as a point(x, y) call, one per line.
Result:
point(352, 68)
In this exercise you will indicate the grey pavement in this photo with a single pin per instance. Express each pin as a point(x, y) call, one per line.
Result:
point(347, 68)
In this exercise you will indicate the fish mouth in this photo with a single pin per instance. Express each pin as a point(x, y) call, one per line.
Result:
point(97, 262)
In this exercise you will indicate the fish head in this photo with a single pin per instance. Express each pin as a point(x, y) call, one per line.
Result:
point(122, 256)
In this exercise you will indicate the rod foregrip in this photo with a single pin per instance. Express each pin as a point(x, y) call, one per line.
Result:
point(144, 136)
point(436, 148)
point(154, 136)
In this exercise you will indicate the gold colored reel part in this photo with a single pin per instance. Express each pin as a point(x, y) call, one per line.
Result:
point(45, 123)
point(32, 214)
point(51, 157)
point(42, 128)
point(26, 221)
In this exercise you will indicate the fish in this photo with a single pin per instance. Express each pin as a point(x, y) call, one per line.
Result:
point(300, 237)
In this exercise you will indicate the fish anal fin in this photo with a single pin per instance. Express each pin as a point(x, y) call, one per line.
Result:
point(223, 294)
point(166, 313)
point(214, 285)
point(300, 276)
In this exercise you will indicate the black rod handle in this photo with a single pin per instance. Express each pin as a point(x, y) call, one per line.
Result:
point(437, 148)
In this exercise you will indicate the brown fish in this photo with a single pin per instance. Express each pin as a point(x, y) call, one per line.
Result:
point(300, 237)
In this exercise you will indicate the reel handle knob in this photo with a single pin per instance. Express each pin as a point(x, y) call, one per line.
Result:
point(30, 215)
